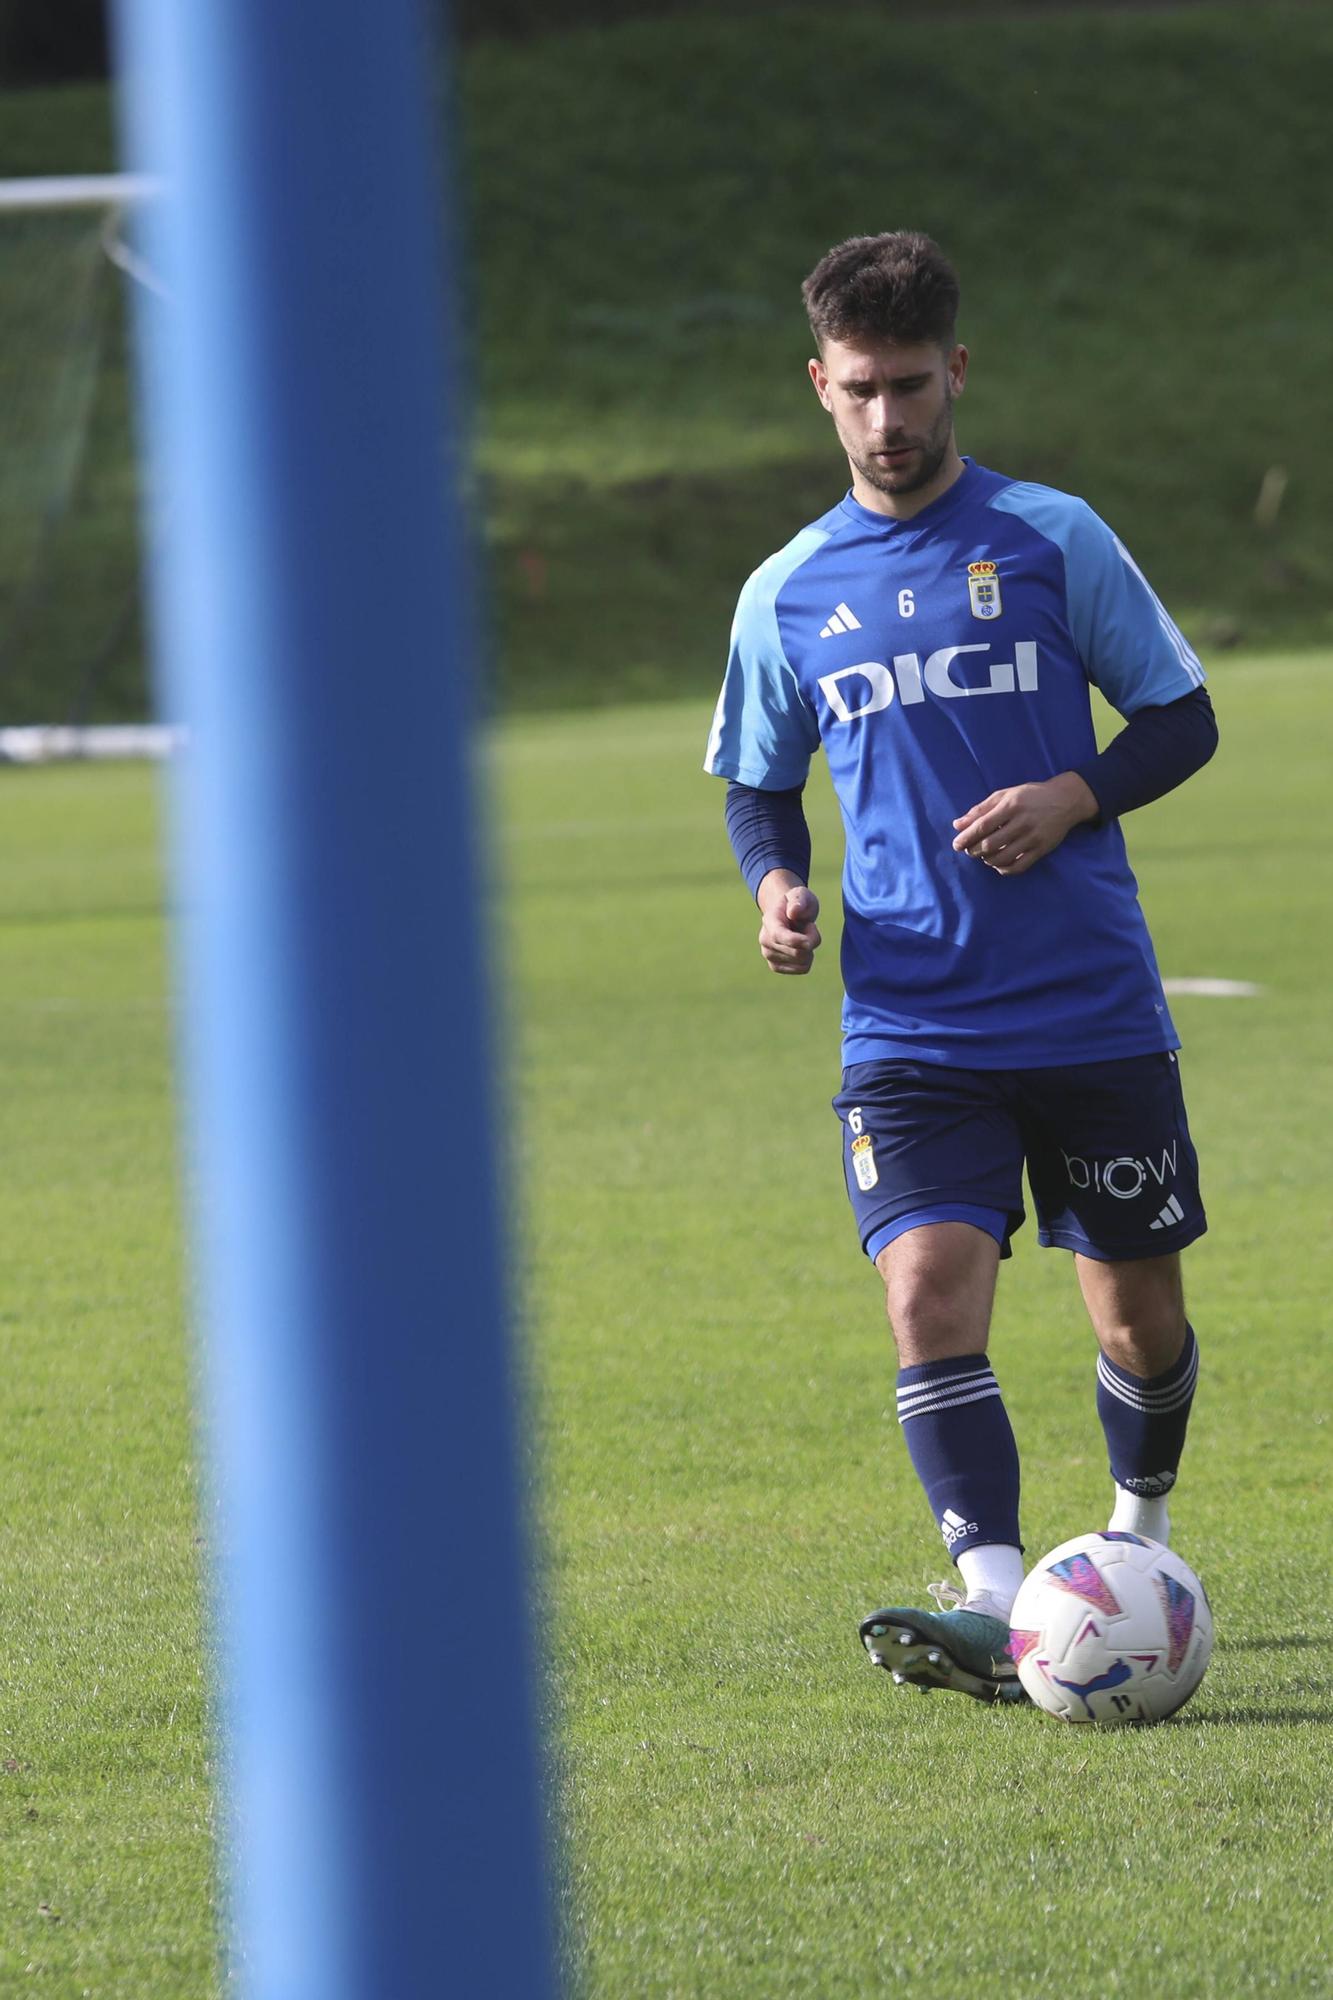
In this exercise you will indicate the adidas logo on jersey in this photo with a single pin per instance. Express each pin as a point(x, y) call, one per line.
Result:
point(844, 619)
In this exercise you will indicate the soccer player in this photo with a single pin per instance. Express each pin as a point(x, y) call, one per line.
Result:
point(936, 633)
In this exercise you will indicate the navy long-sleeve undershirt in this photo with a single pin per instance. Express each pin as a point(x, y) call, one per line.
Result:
point(767, 830)
point(1157, 749)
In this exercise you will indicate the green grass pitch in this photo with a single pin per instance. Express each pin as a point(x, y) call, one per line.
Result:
point(747, 1808)
point(751, 1808)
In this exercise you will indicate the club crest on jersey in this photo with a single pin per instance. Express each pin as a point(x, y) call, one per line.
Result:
point(983, 587)
point(863, 1163)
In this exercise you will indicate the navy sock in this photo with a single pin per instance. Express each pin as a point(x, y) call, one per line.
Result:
point(1145, 1420)
point(962, 1448)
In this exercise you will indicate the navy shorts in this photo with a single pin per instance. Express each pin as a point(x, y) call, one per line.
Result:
point(1112, 1169)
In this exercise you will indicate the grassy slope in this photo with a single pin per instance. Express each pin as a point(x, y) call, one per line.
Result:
point(752, 1810)
point(1137, 202)
point(70, 638)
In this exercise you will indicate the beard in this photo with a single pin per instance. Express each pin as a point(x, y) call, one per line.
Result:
point(909, 478)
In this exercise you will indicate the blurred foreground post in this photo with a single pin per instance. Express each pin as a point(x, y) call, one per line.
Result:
point(312, 610)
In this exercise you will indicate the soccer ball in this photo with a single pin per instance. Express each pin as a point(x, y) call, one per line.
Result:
point(1111, 1628)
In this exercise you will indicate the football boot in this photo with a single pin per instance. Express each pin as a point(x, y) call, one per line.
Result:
point(958, 1648)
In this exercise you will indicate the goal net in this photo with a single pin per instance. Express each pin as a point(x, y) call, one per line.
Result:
point(72, 653)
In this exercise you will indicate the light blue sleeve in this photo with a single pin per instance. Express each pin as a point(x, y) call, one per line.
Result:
point(1129, 644)
point(764, 730)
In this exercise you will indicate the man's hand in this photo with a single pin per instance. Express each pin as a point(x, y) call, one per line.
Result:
point(789, 935)
point(1013, 828)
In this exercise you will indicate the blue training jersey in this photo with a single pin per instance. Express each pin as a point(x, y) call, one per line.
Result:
point(937, 660)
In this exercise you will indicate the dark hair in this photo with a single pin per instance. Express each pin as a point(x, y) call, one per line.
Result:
point(899, 286)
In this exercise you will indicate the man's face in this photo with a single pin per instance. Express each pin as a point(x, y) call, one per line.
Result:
point(892, 407)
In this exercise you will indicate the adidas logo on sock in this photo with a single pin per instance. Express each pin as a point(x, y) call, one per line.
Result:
point(1172, 1213)
point(953, 1527)
point(1151, 1486)
point(844, 619)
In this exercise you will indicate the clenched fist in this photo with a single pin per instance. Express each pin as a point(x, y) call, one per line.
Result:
point(789, 936)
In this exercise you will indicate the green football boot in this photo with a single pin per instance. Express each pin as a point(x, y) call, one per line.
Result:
point(959, 1649)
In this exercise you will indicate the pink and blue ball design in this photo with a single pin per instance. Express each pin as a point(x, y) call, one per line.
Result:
point(1080, 1575)
point(1178, 1604)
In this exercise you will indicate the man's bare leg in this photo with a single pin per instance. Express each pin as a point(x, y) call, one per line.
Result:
point(939, 1287)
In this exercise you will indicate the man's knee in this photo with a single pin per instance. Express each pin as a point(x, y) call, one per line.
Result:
point(1137, 1311)
point(939, 1286)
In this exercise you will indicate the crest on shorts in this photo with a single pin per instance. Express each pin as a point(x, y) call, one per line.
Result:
point(983, 587)
point(863, 1163)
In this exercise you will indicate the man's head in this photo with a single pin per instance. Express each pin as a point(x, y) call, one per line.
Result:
point(883, 311)
point(899, 287)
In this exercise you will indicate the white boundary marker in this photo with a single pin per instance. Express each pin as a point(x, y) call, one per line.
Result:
point(53, 743)
point(77, 190)
point(1214, 989)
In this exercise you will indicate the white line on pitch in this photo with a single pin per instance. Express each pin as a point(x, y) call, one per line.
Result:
point(1214, 989)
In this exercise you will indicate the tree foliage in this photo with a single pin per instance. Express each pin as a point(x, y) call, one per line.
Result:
point(42, 43)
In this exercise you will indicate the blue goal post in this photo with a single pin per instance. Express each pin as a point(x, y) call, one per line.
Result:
point(314, 631)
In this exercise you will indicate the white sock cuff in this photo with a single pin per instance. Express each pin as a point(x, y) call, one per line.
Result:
point(994, 1570)
point(946, 1392)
